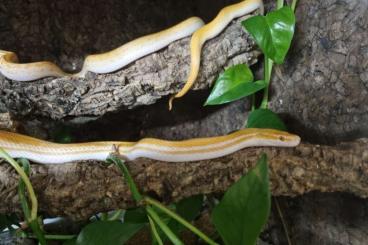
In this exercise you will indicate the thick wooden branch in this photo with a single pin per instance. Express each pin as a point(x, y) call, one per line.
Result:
point(141, 83)
point(81, 189)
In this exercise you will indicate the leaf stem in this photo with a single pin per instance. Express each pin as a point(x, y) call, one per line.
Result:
point(293, 5)
point(180, 220)
point(27, 182)
point(173, 238)
point(128, 178)
point(155, 234)
point(56, 237)
point(280, 4)
point(283, 221)
point(253, 102)
point(267, 76)
point(22, 195)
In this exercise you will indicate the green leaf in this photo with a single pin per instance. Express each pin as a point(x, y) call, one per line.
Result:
point(107, 233)
point(244, 209)
point(273, 33)
point(70, 242)
point(188, 209)
point(233, 84)
point(136, 216)
point(265, 118)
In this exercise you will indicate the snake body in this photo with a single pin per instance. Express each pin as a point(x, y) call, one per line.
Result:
point(131, 51)
point(170, 151)
point(212, 29)
point(11, 69)
point(99, 63)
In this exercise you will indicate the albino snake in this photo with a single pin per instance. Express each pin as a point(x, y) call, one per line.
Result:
point(170, 151)
point(211, 30)
point(99, 63)
point(131, 51)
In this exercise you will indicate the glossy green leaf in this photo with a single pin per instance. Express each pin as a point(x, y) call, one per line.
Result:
point(244, 209)
point(189, 209)
point(107, 233)
point(233, 84)
point(273, 33)
point(265, 118)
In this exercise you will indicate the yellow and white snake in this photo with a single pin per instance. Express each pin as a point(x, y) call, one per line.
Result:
point(46, 152)
point(99, 63)
point(131, 51)
point(171, 151)
point(211, 30)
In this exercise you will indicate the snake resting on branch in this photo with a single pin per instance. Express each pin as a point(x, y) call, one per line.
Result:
point(120, 57)
point(162, 150)
point(171, 151)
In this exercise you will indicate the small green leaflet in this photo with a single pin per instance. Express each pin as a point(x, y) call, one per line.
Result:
point(273, 33)
point(233, 84)
point(107, 232)
point(244, 209)
point(265, 118)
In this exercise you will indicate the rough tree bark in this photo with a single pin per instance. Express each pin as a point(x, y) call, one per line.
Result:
point(6, 122)
point(141, 83)
point(94, 187)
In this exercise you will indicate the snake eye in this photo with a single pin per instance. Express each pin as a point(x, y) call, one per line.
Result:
point(282, 138)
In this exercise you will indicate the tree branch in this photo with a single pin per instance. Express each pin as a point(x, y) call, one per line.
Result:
point(79, 190)
point(141, 83)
